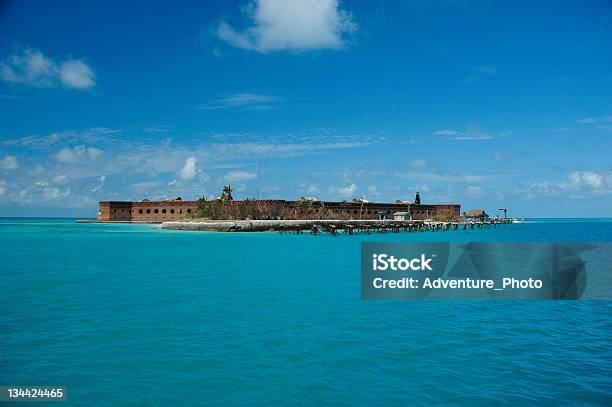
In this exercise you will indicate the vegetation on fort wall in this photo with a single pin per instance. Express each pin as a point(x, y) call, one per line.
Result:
point(219, 209)
point(317, 211)
point(216, 209)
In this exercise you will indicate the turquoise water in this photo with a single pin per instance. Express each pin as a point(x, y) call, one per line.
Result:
point(133, 315)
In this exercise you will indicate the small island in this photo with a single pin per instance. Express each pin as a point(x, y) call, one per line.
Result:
point(225, 213)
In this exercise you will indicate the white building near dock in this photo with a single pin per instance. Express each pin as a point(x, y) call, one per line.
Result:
point(401, 215)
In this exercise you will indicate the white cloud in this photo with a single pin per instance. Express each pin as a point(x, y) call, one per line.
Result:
point(586, 179)
point(8, 163)
point(312, 189)
point(347, 191)
point(32, 67)
point(472, 133)
point(172, 183)
point(295, 25)
point(596, 120)
point(423, 188)
point(417, 162)
point(188, 172)
point(543, 187)
point(43, 192)
point(239, 176)
point(2, 187)
point(65, 155)
point(77, 154)
point(94, 135)
point(373, 192)
point(58, 179)
point(159, 129)
point(447, 177)
point(77, 74)
point(93, 152)
point(279, 149)
point(245, 101)
point(446, 133)
point(145, 187)
point(474, 190)
point(101, 180)
point(579, 184)
point(54, 193)
point(475, 136)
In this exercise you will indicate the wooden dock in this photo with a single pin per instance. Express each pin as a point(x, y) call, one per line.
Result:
point(330, 226)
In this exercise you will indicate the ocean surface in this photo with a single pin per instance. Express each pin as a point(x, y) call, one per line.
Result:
point(134, 315)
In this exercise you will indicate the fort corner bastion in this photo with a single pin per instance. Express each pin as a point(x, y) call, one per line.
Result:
point(302, 209)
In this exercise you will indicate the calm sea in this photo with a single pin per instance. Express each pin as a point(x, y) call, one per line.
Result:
point(133, 315)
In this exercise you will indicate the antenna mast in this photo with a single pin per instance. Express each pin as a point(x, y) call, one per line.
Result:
point(258, 179)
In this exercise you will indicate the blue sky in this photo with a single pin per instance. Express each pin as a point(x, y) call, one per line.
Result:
point(484, 103)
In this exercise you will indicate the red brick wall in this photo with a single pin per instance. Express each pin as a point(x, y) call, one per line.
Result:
point(115, 211)
point(104, 214)
point(147, 211)
point(161, 211)
point(448, 210)
point(156, 211)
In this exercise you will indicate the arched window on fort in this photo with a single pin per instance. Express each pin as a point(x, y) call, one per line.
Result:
point(156, 211)
point(163, 211)
point(148, 210)
point(140, 211)
point(188, 210)
point(180, 211)
point(171, 210)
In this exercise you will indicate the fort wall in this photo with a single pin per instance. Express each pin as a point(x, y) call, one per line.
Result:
point(172, 210)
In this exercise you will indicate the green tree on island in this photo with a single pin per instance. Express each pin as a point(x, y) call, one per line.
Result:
point(227, 194)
